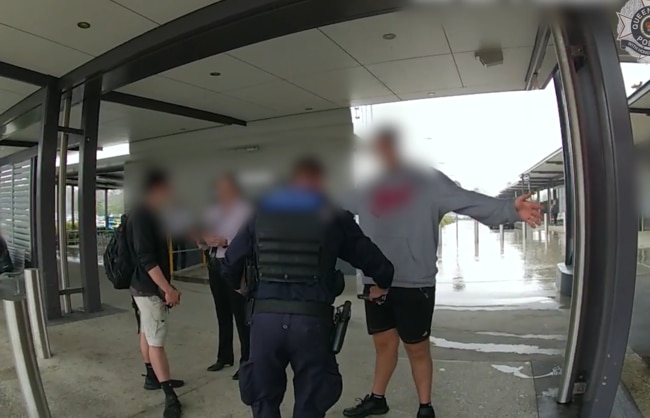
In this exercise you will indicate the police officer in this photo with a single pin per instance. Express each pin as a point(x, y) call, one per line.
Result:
point(294, 240)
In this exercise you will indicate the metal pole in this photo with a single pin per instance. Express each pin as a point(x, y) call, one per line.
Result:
point(501, 238)
point(106, 208)
point(457, 220)
point(33, 290)
point(88, 197)
point(72, 207)
point(45, 205)
point(22, 345)
point(439, 240)
point(476, 238)
point(64, 277)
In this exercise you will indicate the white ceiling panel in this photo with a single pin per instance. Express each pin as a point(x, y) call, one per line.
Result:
point(111, 24)
point(418, 34)
point(297, 54)
point(343, 86)
point(464, 91)
point(282, 96)
point(169, 90)
point(38, 54)
point(17, 87)
point(512, 71)
point(162, 11)
point(472, 27)
point(11, 92)
point(373, 100)
point(418, 74)
point(8, 99)
point(235, 73)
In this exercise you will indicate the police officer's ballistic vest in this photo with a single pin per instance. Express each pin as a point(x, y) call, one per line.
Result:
point(290, 248)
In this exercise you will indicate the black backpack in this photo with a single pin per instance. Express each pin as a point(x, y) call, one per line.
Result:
point(118, 262)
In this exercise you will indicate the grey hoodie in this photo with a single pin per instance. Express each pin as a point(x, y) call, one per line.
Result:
point(401, 211)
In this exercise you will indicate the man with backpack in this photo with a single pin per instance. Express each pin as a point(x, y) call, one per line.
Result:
point(150, 285)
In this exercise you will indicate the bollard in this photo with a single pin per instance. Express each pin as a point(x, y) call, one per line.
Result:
point(476, 238)
point(546, 224)
point(501, 238)
point(27, 370)
point(34, 293)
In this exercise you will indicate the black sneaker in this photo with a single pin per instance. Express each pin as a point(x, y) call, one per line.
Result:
point(153, 384)
point(426, 412)
point(370, 405)
point(173, 408)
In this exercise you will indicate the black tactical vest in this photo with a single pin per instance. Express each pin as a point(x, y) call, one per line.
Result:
point(290, 248)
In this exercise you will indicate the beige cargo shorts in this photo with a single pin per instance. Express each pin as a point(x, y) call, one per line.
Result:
point(153, 317)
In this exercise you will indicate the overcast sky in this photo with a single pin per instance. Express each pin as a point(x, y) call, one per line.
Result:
point(485, 141)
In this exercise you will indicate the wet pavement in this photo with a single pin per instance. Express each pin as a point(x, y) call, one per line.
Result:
point(498, 335)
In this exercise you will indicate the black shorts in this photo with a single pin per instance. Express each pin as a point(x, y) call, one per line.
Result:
point(408, 310)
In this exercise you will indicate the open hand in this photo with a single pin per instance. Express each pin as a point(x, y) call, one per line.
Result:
point(529, 212)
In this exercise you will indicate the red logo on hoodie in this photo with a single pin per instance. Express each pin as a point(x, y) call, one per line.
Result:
point(389, 199)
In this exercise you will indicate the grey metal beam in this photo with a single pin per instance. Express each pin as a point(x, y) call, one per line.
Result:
point(46, 201)
point(170, 108)
point(18, 143)
point(87, 197)
point(24, 75)
point(21, 115)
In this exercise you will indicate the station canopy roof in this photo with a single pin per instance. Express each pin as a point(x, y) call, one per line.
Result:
point(171, 67)
point(387, 56)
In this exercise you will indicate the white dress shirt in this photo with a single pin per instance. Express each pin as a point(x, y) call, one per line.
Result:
point(226, 222)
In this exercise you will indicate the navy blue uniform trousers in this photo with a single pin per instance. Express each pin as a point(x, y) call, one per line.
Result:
point(279, 340)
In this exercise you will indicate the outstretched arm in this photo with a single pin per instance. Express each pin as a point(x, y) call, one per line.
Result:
point(485, 209)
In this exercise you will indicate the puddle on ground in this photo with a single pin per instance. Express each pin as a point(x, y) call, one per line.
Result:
point(495, 348)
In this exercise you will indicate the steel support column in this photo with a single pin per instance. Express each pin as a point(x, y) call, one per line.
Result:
point(602, 155)
point(46, 201)
point(87, 197)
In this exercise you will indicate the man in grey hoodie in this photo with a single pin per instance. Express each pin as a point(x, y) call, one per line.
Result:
point(400, 211)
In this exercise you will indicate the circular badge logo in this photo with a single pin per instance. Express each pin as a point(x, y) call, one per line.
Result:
point(634, 29)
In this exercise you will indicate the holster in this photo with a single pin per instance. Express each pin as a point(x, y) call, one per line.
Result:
point(341, 319)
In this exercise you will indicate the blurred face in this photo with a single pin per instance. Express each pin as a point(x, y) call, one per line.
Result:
point(160, 195)
point(386, 151)
point(226, 190)
point(307, 180)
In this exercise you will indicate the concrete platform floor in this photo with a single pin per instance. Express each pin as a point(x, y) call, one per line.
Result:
point(497, 341)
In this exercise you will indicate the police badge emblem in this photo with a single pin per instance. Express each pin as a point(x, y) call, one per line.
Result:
point(634, 29)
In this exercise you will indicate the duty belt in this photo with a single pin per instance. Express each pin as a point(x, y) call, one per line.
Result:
point(292, 307)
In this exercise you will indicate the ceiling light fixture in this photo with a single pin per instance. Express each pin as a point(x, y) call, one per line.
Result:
point(431, 94)
point(215, 74)
point(389, 36)
point(83, 25)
